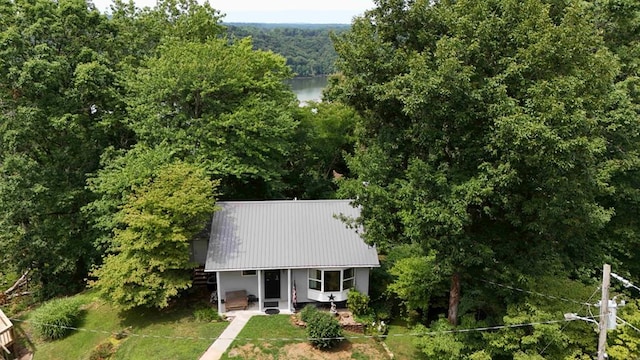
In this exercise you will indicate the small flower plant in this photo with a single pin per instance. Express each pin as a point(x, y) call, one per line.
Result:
point(377, 329)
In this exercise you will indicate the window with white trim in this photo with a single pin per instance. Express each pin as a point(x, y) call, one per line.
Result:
point(315, 279)
point(348, 278)
point(331, 280)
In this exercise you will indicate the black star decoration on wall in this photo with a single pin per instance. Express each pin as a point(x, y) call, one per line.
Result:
point(332, 297)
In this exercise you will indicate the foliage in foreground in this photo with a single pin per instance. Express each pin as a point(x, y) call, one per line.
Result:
point(57, 85)
point(308, 312)
point(52, 320)
point(173, 325)
point(357, 302)
point(492, 128)
point(624, 342)
point(151, 263)
point(323, 329)
point(206, 314)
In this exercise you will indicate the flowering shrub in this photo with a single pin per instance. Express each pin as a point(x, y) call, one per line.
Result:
point(379, 328)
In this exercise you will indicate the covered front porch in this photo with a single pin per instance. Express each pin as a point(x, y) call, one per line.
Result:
point(256, 290)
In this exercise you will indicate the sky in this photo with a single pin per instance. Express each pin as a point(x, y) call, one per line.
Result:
point(278, 11)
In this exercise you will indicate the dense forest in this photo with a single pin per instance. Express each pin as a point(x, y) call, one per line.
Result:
point(307, 48)
point(96, 111)
point(493, 147)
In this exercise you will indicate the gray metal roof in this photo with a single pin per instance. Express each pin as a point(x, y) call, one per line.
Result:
point(248, 235)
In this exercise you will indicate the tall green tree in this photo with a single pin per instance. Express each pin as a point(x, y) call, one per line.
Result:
point(620, 23)
point(56, 92)
point(323, 137)
point(121, 172)
point(219, 104)
point(150, 261)
point(486, 132)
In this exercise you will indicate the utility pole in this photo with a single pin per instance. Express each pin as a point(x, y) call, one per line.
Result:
point(604, 312)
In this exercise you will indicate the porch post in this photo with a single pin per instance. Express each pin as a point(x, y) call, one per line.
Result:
point(260, 300)
point(289, 290)
point(219, 291)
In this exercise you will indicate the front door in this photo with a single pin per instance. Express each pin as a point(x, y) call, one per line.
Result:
point(272, 284)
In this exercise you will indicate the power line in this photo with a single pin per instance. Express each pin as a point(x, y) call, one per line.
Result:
point(535, 293)
point(587, 304)
point(628, 324)
point(624, 281)
point(426, 333)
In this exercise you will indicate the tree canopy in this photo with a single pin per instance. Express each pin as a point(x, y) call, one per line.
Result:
point(92, 106)
point(488, 129)
point(150, 263)
point(223, 105)
point(56, 90)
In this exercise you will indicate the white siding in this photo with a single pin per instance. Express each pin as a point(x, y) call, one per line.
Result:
point(362, 280)
point(233, 280)
point(300, 277)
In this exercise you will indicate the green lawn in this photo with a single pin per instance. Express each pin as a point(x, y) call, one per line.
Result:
point(275, 326)
point(280, 326)
point(175, 336)
point(401, 346)
point(167, 333)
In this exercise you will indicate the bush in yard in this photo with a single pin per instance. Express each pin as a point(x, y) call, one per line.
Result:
point(207, 314)
point(322, 330)
point(102, 351)
point(357, 302)
point(51, 320)
point(308, 312)
point(377, 328)
point(383, 311)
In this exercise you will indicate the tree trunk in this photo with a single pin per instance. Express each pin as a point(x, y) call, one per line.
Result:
point(18, 283)
point(454, 299)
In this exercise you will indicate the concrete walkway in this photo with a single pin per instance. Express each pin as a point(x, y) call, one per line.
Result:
point(215, 351)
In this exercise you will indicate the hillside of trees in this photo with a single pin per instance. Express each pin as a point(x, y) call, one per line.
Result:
point(307, 48)
point(103, 119)
point(498, 143)
point(493, 147)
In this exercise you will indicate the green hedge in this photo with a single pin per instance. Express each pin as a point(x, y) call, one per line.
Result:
point(323, 329)
point(308, 312)
point(357, 302)
point(52, 320)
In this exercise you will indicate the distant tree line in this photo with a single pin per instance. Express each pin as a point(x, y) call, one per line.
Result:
point(308, 49)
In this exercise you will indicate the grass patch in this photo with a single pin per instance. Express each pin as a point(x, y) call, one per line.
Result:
point(402, 347)
point(79, 344)
point(168, 332)
point(165, 333)
point(274, 326)
point(280, 326)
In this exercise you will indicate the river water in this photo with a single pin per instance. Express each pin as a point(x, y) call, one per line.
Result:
point(308, 89)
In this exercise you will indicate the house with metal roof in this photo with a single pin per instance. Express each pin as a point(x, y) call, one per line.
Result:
point(279, 253)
